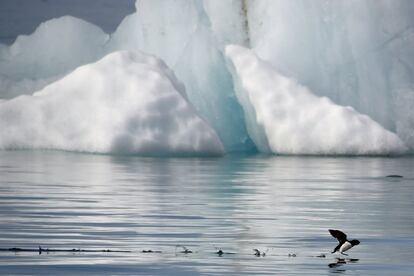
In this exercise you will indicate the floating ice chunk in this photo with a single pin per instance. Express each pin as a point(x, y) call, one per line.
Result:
point(127, 103)
point(285, 117)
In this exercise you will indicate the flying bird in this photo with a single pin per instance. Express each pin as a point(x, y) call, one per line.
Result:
point(344, 244)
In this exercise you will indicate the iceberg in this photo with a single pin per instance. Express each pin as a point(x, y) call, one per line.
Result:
point(57, 47)
point(186, 43)
point(347, 53)
point(285, 117)
point(192, 46)
point(356, 53)
point(126, 103)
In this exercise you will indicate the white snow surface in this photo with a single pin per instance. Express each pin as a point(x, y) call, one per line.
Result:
point(126, 103)
point(287, 118)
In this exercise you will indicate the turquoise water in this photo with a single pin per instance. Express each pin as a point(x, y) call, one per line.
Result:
point(279, 205)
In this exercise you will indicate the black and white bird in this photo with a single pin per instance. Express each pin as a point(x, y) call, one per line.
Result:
point(344, 244)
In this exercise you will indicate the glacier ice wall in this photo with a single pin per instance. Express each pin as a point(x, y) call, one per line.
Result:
point(127, 103)
point(286, 118)
point(357, 53)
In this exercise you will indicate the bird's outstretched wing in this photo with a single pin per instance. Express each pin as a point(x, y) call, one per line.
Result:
point(339, 235)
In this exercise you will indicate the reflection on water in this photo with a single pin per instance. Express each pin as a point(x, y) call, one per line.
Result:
point(282, 206)
point(338, 264)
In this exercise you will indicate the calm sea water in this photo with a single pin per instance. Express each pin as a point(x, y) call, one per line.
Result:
point(279, 205)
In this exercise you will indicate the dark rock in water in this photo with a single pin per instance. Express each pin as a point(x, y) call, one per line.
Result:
point(394, 176)
point(220, 252)
point(151, 251)
point(292, 255)
point(40, 250)
point(185, 251)
point(257, 253)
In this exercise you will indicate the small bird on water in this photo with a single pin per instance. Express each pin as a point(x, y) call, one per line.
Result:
point(344, 244)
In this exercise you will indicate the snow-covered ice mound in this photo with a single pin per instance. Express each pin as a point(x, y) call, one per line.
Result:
point(284, 117)
point(127, 103)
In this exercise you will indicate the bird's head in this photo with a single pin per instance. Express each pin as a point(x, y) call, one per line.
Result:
point(354, 242)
